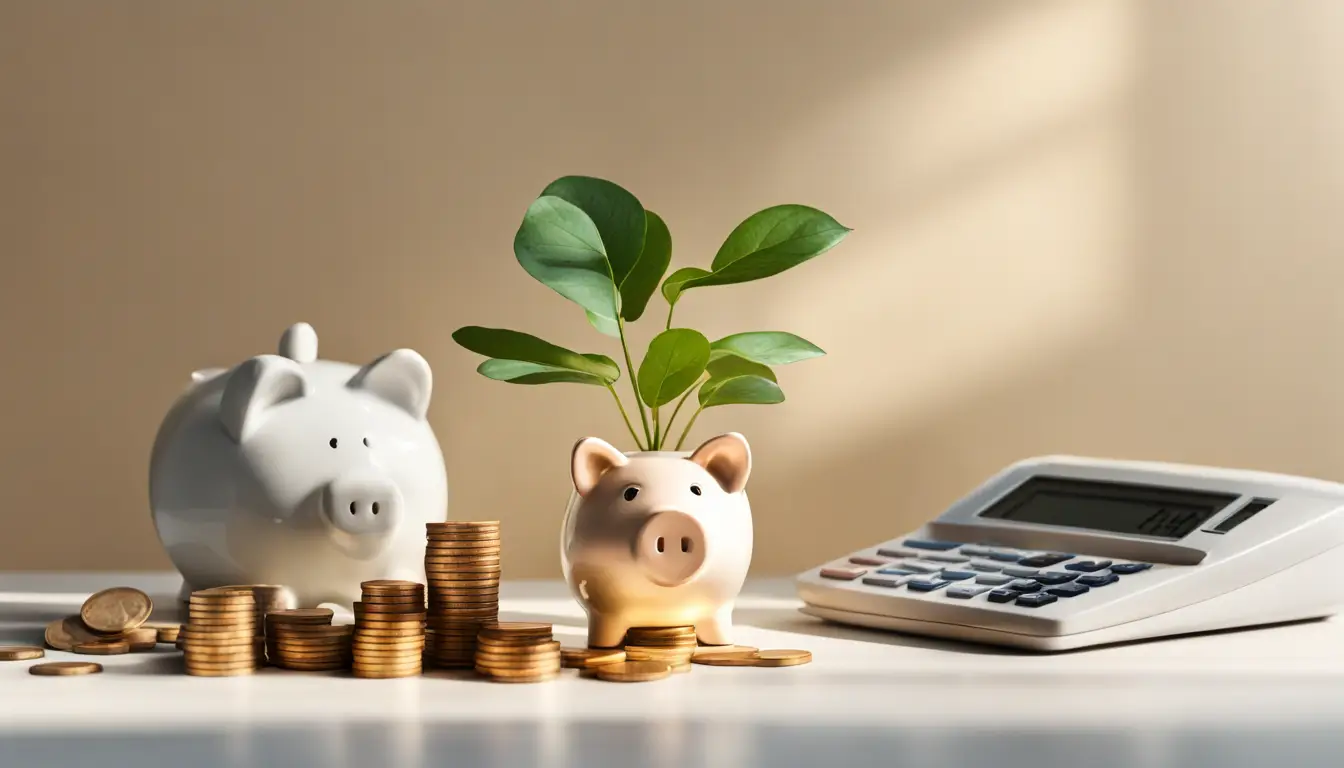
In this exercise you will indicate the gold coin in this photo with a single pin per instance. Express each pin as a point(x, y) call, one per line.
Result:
point(465, 583)
point(383, 654)
point(382, 643)
point(314, 632)
point(685, 629)
point(782, 658)
point(142, 647)
point(376, 634)
point(65, 668)
point(536, 679)
point(726, 659)
point(168, 634)
point(114, 648)
point(580, 658)
point(633, 671)
point(139, 635)
point(312, 667)
point(387, 674)
point(389, 585)
point(445, 558)
point(20, 652)
point(529, 672)
point(390, 611)
point(192, 631)
point(116, 609)
point(547, 646)
point(521, 627)
point(63, 634)
point(239, 672)
point(301, 616)
point(316, 642)
point(222, 602)
point(462, 548)
point(390, 620)
point(546, 654)
point(374, 602)
point(408, 667)
point(706, 650)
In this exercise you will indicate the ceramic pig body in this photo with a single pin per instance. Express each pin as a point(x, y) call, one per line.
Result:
point(310, 474)
point(658, 539)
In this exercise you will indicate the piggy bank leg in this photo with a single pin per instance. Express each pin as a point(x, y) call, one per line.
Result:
point(606, 631)
point(716, 629)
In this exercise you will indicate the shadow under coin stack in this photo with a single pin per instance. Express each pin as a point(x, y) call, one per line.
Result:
point(672, 646)
point(518, 652)
point(305, 640)
point(219, 638)
point(389, 636)
point(462, 568)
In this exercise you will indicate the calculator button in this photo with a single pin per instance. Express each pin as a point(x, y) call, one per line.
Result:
point(992, 579)
point(896, 570)
point(874, 581)
point(984, 567)
point(974, 551)
point(1051, 578)
point(1024, 585)
point(1044, 561)
point(1004, 557)
point(1003, 596)
point(898, 553)
point(946, 558)
point(1097, 579)
point(1068, 590)
point(1020, 573)
point(1088, 566)
point(920, 567)
point(869, 561)
point(965, 591)
point(957, 575)
point(1130, 567)
point(843, 574)
point(927, 584)
point(940, 546)
point(1036, 600)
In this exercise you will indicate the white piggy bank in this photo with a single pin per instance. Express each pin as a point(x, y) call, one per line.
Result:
point(658, 539)
point(310, 474)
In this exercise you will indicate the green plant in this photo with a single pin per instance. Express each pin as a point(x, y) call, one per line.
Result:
point(592, 242)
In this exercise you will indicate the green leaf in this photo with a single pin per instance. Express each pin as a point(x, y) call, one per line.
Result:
point(605, 325)
point(742, 390)
point(672, 286)
point(560, 246)
point(514, 345)
point(616, 213)
point(520, 372)
point(767, 347)
point(674, 362)
point(642, 281)
point(731, 366)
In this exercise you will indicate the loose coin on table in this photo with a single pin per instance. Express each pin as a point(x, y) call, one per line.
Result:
point(65, 668)
point(20, 652)
point(587, 658)
point(633, 671)
point(116, 610)
point(103, 648)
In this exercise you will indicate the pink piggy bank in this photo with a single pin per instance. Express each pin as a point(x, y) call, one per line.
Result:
point(658, 538)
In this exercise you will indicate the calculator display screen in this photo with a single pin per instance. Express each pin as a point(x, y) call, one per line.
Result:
point(1142, 510)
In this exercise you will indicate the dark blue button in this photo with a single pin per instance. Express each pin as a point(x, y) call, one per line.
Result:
point(1044, 561)
point(992, 579)
point(1055, 577)
point(1130, 567)
point(1036, 600)
point(946, 558)
point(957, 575)
point(1004, 557)
point(1088, 566)
point(1019, 572)
point(1068, 590)
point(894, 571)
point(873, 581)
point(965, 591)
point(1002, 596)
point(897, 553)
point(1024, 585)
point(1097, 579)
point(941, 546)
point(926, 584)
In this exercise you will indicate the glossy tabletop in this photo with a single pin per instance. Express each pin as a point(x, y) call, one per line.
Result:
point(1271, 696)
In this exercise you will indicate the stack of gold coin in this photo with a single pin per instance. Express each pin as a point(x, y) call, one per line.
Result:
point(673, 646)
point(462, 568)
point(219, 638)
point(305, 640)
point(389, 635)
point(517, 652)
point(268, 598)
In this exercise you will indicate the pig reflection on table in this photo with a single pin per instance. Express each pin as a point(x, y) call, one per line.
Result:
point(658, 539)
point(310, 474)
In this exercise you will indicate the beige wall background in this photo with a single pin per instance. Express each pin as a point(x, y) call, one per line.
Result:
point(1105, 228)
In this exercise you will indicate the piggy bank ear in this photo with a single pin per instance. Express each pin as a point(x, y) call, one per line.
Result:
point(255, 387)
point(727, 458)
point(592, 458)
point(401, 377)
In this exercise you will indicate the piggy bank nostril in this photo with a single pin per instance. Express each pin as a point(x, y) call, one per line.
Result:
point(375, 507)
point(685, 544)
point(352, 507)
point(659, 545)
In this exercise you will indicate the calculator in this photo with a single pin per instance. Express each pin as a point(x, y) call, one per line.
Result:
point(1063, 552)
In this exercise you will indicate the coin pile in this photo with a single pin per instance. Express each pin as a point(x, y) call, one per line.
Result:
point(672, 646)
point(109, 622)
point(517, 652)
point(389, 634)
point(462, 568)
point(220, 636)
point(305, 640)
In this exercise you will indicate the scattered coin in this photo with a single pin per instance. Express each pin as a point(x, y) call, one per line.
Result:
point(64, 668)
point(587, 658)
point(103, 648)
point(726, 659)
point(116, 610)
point(63, 634)
point(633, 671)
point(782, 658)
point(20, 652)
point(708, 650)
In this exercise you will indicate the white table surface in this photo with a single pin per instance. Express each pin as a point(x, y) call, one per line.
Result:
point(1262, 697)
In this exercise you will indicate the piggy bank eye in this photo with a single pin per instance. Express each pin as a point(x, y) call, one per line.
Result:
point(695, 489)
point(332, 442)
point(631, 493)
point(366, 443)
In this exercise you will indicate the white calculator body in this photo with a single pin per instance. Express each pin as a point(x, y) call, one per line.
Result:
point(1061, 552)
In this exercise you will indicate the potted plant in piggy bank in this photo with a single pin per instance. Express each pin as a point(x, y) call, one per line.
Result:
point(654, 536)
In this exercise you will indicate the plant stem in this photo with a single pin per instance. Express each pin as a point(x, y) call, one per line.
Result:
point(634, 387)
point(675, 411)
point(657, 438)
point(670, 307)
point(628, 425)
point(689, 424)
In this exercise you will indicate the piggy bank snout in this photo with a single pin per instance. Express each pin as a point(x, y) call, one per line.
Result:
point(670, 548)
point(362, 503)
